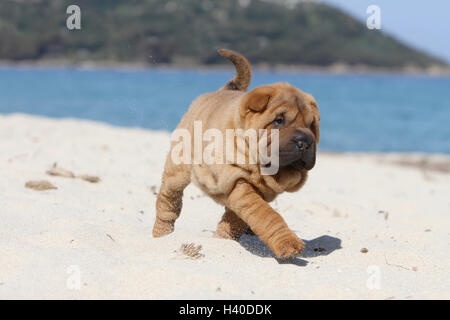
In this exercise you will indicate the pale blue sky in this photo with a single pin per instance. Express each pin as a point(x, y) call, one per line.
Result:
point(421, 24)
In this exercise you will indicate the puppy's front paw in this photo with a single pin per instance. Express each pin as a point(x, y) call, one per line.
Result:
point(287, 246)
point(162, 228)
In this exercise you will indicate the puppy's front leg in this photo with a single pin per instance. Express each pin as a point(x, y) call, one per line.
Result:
point(263, 220)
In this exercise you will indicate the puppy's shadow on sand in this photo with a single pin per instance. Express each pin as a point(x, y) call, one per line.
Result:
point(321, 246)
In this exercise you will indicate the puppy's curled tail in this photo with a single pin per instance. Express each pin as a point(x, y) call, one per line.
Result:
point(241, 80)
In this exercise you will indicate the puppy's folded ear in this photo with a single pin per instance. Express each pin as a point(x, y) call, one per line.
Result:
point(256, 100)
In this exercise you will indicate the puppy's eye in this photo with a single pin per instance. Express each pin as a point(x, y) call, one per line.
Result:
point(279, 120)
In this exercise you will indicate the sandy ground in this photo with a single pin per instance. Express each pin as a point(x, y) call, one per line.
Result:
point(93, 240)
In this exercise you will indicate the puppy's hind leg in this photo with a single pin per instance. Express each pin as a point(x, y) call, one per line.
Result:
point(169, 202)
point(231, 226)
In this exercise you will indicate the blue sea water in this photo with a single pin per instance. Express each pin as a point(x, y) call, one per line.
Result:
point(359, 112)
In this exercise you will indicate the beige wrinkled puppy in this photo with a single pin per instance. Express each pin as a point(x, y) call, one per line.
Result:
point(242, 188)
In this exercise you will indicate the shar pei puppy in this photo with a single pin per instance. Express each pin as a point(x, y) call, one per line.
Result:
point(244, 187)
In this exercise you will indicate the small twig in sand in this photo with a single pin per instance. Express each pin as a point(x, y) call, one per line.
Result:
point(191, 251)
point(109, 236)
point(40, 185)
point(60, 172)
point(91, 179)
point(394, 265)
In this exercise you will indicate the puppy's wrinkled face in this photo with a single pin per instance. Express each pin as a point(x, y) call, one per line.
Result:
point(294, 113)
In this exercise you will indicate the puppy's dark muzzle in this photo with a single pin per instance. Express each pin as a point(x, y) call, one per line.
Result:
point(301, 153)
point(306, 148)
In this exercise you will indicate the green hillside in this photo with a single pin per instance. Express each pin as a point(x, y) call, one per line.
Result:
point(162, 31)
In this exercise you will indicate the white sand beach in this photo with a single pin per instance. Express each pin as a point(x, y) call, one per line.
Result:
point(93, 240)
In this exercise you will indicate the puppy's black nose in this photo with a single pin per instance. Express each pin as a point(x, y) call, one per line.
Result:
point(302, 140)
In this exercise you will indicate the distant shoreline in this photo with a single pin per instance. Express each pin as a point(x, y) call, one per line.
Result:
point(337, 68)
point(433, 161)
